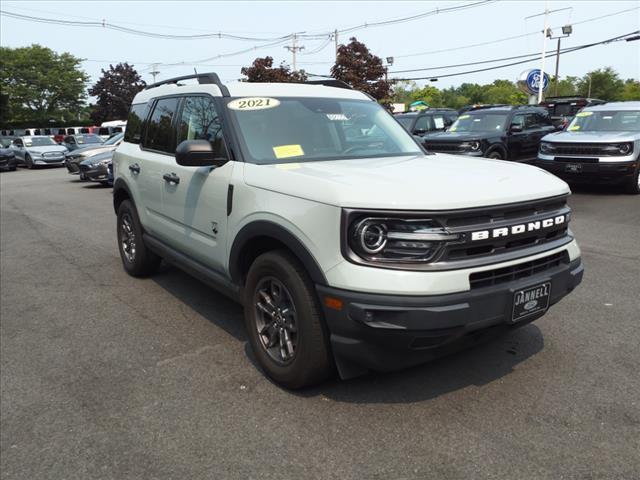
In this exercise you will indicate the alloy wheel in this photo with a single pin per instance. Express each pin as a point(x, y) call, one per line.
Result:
point(128, 238)
point(276, 318)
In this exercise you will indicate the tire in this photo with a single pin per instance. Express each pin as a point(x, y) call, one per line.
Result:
point(632, 186)
point(495, 154)
point(140, 262)
point(28, 161)
point(309, 358)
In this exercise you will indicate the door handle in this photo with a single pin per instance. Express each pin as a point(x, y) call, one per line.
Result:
point(135, 168)
point(171, 178)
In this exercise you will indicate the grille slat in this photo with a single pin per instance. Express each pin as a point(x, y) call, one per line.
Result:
point(516, 272)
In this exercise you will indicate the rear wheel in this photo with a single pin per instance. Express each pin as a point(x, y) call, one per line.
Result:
point(137, 259)
point(632, 185)
point(284, 323)
point(495, 155)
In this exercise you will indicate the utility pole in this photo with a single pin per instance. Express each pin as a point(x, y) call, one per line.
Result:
point(335, 39)
point(293, 49)
point(566, 31)
point(154, 71)
point(544, 49)
point(546, 33)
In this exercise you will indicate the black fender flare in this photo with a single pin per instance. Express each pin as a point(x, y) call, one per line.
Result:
point(119, 186)
point(265, 228)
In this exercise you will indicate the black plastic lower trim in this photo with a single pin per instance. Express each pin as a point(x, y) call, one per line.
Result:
point(388, 332)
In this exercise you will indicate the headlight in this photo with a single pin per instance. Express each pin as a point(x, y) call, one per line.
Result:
point(474, 146)
point(105, 162)
point(35, 154)
point(625, 148)
point(546, 147)
point(396, 240)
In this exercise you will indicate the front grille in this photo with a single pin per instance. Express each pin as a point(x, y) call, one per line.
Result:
point(497, 217)
point(517, 272)
point(590, 149)
point(442, 147)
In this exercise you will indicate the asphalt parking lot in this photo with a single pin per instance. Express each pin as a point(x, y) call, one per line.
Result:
point(107, 376)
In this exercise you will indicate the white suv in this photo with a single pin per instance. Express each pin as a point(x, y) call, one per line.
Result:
point(348, 245)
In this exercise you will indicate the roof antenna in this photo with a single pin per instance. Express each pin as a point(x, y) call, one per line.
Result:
point(195, 71)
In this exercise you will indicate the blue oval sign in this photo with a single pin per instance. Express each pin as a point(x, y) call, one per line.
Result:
point(533, 81)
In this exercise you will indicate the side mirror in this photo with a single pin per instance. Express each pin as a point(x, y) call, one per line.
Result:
point(419, 133)
point(197, 153)
point(516, 128)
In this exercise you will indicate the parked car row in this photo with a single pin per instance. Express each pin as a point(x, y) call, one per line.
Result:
point(105, 131)
point(600, 144)
point(86, 155)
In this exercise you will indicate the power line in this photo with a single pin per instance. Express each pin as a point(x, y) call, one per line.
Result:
point(514, 37)
point(220, 35)
point(496, 67)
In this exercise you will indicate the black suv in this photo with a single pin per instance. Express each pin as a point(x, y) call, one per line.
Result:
point(563, 109)
point(425, 121)
point(507, 133)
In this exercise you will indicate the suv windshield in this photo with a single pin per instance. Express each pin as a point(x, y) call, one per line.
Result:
point(306, 129)
point(38, 141)
point(623, 121)
point(480, 122)
point(114, 139)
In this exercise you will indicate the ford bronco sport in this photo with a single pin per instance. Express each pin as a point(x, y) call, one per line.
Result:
point(601, 145)
point(348, 245)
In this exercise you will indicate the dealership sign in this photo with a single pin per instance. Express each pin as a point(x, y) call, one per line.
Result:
point(529, 81)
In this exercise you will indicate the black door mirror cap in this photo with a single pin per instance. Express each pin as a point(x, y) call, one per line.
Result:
point(516, 128)
point(197, 153)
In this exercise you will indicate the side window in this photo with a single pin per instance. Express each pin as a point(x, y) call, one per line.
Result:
point(449, 119)
point(423, 125)
point(160, 135)
point(17, 142)
point(439, 122)
point(200, 121)
point(531, 121)
point(70, 140)
point(518, 121)
point(544, 120)
point(135, 121)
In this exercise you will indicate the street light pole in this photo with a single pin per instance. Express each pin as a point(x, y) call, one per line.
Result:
point(544, 49)
point(557, 68)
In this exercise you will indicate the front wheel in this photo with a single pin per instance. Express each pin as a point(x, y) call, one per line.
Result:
point(633, 184)
point(284, 323)
point(496, 155)
point(28, 161)
point(137, 259)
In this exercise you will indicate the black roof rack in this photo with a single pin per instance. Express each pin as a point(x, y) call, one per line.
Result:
point(203, 78)
point(330, 82)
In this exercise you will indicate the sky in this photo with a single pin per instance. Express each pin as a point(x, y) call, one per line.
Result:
point(413, 44)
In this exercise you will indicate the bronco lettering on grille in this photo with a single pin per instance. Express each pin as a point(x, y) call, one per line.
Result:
point(518, 229)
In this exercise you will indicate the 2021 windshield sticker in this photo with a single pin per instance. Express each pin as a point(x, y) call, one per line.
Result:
point(253, 103)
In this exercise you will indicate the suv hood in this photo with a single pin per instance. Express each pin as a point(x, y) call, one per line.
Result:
point(432, 182)
point(93, 149)
point(582, 137)
point(457, 136)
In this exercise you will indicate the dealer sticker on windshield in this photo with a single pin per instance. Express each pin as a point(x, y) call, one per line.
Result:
point(253, 103)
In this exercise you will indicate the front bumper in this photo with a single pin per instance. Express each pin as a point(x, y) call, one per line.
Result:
point(596, 170)
point(94, 173)
point(388, 332)
point(8, 162)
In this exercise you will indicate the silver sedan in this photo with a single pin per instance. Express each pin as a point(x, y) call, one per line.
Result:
point(38, 150)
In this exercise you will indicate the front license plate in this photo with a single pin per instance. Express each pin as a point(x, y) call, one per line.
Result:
point(573, 167)
point(530, 301)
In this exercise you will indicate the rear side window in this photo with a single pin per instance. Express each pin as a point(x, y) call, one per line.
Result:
point(137, 115)
point(159, 135)
point(200, 121)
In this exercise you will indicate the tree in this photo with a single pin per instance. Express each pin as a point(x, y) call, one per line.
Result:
point(631, 90)
point(262, 70)
point(40, 84)
point(115, 91)
point(358, 67)
point(504, 91)
point(605, 84)
point(566, 87)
